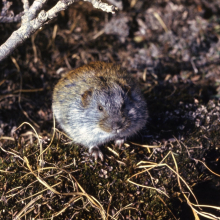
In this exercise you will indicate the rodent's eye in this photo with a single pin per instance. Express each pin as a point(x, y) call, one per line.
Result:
point(100, 108)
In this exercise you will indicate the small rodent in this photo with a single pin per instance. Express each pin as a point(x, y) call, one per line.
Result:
point(97, 103)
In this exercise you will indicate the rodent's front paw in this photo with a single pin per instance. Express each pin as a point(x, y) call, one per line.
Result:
point(119, 143)
point(95, 152)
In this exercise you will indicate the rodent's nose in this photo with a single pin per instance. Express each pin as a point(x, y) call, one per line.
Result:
point(117, 126)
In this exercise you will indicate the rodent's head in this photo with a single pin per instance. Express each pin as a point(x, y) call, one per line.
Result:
point(117, 108)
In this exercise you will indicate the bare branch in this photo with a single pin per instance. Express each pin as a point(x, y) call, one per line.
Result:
point(35, 8)
point(31, 22)
point(103, 6)
point(25, 17)
point(12, 18)
point(7, 15)
point(25, 5)
point(6, 6)
point(117, 3)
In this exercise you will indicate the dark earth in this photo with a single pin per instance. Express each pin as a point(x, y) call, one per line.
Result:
point(172, 48)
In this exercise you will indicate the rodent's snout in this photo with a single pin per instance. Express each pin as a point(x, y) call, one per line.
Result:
point(117, 126)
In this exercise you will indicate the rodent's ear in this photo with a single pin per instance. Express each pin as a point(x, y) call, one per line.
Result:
point(86, 97)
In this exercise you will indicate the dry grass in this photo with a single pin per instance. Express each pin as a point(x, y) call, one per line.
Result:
point(77, 198)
